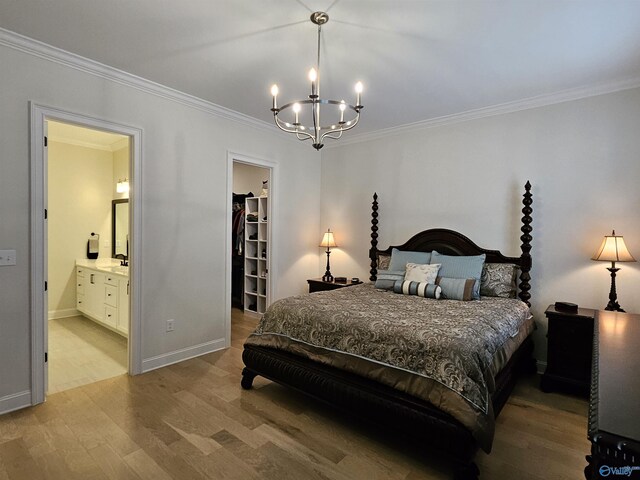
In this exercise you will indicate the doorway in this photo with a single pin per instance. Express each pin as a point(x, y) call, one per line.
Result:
point(87, 255)
point(80, 167)
point(250, 263)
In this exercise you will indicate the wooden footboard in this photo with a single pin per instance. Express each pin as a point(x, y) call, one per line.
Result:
point(381, 405)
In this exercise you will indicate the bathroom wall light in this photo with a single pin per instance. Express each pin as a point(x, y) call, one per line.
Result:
point(122, 186)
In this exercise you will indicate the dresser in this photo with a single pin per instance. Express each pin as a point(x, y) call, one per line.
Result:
point(569, 350)
point(614, 406)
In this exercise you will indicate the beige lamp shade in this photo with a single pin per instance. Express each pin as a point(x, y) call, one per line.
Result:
point(613, 249)
point(327, 240)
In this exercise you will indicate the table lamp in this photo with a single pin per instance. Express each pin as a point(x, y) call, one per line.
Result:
point(613, 250)
point(329, 242)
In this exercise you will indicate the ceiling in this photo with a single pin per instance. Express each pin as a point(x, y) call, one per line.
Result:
point(85, 137)
point(418, 60)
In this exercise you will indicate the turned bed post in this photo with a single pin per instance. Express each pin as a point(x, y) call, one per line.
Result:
point(373, 251)
point(526, 238)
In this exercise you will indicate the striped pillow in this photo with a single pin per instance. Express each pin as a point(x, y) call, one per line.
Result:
point(456, 288)
point(421, 289)
point(387, 278)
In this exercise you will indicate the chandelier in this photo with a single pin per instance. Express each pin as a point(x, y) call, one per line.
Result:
point(317, 132)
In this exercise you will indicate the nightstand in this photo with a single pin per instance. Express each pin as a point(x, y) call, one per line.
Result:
point(319, 285)
point(569, 350)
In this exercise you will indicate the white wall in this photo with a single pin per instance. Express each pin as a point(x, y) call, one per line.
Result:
point(583, 160)
point(184, 201)
point(248, 178)
point(80, 189)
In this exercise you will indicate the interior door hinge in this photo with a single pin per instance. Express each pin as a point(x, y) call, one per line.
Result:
point(45, 141)
point(45, 213)
point(46, 357)
point(45, 285)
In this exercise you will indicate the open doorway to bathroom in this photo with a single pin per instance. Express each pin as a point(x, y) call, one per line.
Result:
point(87, 255)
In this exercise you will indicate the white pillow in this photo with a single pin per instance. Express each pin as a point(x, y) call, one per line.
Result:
point(417, 272)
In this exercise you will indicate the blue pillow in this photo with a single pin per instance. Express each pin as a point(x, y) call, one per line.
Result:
point(387, 278)
point(399, 259)
point(461, 267)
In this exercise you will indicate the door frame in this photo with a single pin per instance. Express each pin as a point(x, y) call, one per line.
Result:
point(233, 157)
point(39, 115)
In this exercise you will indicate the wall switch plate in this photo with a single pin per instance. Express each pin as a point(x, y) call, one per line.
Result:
point(7, 257)
point(170, 325)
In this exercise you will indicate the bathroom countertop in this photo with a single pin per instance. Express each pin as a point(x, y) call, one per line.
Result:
point(106, 265)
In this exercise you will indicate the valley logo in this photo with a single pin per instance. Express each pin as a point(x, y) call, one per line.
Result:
point(606, 470)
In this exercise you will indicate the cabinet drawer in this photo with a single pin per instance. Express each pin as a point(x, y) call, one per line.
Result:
point(111, 295)
point(110, 316)
point(111, 280)
point(80, 302)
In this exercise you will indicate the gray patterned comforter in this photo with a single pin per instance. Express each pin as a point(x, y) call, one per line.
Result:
point(445, 352)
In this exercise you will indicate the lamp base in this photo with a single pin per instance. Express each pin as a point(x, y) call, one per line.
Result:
point(327, 278)
point(613, 305)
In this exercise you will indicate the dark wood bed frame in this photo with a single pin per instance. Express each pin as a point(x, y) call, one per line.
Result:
point(383, 405)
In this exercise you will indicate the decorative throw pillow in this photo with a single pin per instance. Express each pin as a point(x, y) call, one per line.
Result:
point(399, 259)
point(421, 273)
point(498, 280)
point(456, 288)
point(421, 289)
point(386, 279)
point(461, 267)
point(383, 261)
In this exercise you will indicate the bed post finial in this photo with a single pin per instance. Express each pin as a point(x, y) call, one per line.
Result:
point(373, 255)
point(526, 238)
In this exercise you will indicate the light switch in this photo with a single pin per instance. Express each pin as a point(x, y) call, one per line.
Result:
point(7, 257)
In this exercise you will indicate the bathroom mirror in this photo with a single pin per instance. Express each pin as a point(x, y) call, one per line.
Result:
point(120, 227)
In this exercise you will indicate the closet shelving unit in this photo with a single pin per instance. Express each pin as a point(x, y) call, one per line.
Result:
point(256, 249)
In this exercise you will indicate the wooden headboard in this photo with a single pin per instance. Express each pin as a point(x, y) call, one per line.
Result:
point(449, 242)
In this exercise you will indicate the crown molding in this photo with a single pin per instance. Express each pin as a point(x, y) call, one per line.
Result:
point(95, 146)
point(80, 143)
point(42, 50)
point(500, 109)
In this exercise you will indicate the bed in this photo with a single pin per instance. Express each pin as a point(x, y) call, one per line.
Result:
point(448, 396)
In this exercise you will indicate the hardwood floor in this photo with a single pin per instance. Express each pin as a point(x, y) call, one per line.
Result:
point(193, 421)
point(82, 352)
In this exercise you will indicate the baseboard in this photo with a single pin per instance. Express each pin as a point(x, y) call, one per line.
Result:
point(15, 401)
point(542, 366)
point(67, 312)
point(176, 356)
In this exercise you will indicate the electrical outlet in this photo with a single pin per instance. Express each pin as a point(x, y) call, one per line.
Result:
point(7, 257)
point(170, 325)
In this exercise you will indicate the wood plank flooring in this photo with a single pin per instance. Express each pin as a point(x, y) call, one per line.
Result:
point(193, 421)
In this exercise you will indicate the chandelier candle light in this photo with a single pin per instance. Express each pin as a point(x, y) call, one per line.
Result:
point(317, 132)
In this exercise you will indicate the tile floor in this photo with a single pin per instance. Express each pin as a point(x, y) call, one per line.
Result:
point(82, 352)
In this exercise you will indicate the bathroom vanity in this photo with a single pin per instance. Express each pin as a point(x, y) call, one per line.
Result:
point(102, 294)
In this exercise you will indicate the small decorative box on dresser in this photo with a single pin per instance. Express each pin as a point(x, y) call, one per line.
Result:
point(569, 348)
point(319, 285)
point(614, 407)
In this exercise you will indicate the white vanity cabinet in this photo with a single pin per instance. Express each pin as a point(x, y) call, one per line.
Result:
point(89, 292)
point(103, 297)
